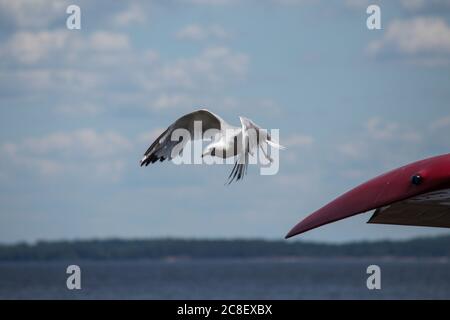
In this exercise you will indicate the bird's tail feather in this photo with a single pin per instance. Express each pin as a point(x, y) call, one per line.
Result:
point(275, 145)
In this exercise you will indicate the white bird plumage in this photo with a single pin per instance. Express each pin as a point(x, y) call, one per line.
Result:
point(230, 141)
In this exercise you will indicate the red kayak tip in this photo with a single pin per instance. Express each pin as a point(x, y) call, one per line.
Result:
point(425, 177)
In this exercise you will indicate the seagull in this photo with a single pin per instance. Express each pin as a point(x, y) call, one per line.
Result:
point(228, 141)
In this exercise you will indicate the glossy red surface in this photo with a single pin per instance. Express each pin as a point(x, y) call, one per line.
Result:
point(383, 190)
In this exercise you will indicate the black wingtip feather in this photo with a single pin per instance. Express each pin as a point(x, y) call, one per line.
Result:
point(152, 159)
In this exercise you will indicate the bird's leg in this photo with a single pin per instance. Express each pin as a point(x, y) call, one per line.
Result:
point(249, 150)
point(265, 154)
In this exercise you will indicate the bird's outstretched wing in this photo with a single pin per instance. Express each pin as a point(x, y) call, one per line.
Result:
point(161, 148)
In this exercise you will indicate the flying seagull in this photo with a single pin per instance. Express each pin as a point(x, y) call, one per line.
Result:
point(228, 141)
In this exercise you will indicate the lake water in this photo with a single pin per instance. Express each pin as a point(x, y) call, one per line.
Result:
point(227, 279)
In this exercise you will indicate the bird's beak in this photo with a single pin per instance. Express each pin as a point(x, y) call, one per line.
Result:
point(205, 153)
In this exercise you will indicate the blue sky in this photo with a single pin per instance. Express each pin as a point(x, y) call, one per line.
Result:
point(79, 107)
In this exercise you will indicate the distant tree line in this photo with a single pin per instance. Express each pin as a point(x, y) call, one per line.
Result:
point(113, 249)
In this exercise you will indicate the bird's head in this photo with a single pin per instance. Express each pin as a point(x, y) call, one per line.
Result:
point(209, 151)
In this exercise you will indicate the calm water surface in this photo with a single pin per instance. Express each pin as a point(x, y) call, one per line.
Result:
point(227, 279)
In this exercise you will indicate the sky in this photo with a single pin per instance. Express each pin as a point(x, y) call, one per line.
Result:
point(78, 108)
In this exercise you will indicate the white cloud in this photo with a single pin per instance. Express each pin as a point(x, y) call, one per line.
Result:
point(197, 32)
point(46, 62)
point(150, 136)
point(32, 14)
point(29, 84)
point(438, 133)
point(380, 130)
point(390, 131)
point(379, 136)
point(354, 149)
point(28, 47)
point(172, 101)
point(232, 2)
point(440, 123)
point(108, 41)
point(423, 38)
point(234, 63)
point(213, 66)
point(413, 4)
point(133, 14)
point(84, 142)
point(357, 4)
point(298, 140)
point(382, 145)
point(418, 5)
point(294, 2)
point(211, 2)
point(83, 151)
point(84, 109)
